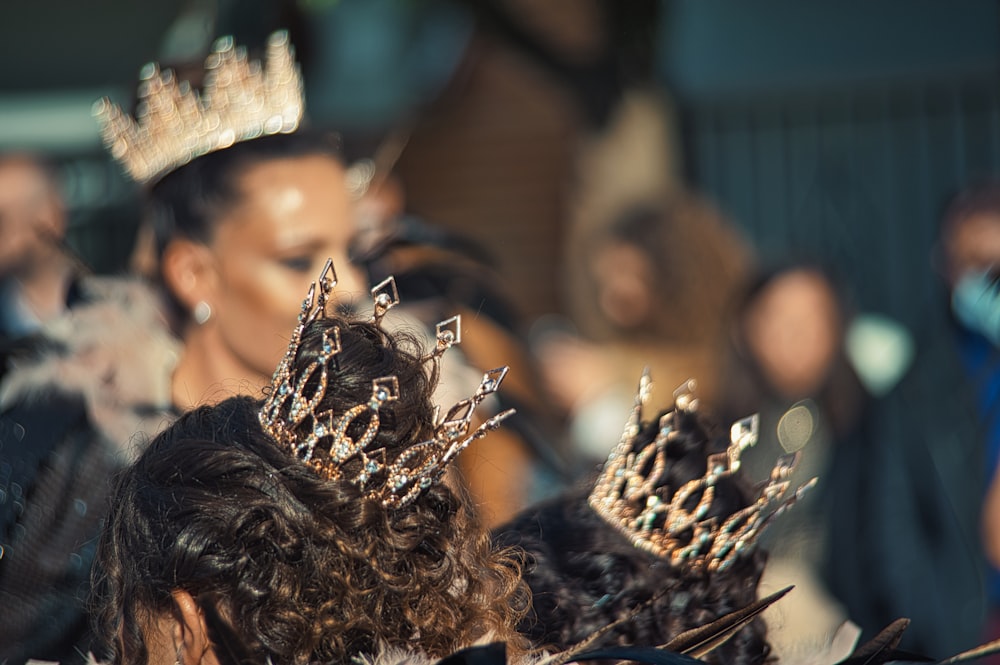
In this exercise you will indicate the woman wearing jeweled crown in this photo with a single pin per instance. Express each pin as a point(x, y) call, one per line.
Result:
point(666, 533)
point(313, 525)
point(243, 206)
point(245, 209)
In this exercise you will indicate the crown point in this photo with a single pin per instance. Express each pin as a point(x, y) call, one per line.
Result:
point(492, 380)
point(173, 125)
point(149, 71)
point(744, 433)
point(385, 297)
point(449, 331)
point(328, 277)
point(223, 44)
point(101, 106)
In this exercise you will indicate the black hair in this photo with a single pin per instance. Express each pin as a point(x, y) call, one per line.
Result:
point(585, 574)
point(979, 197)
point(302, 568)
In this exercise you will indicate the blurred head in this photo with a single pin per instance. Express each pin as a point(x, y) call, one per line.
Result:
point(970, 248)
point(584, 574)
point(791, 324)
point(217, 531)
point(626, 283)
point(662, 271)
point(242, 231)
point(32, 217)
point(970, 232)
point(624, 272)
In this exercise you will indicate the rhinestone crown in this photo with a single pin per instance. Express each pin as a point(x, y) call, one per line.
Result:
point(294, 416)
point(674, 523)
point(240, 100)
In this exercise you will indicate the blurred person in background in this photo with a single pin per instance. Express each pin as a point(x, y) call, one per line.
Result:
point(658, 278)
point(79, 359)
point(236, 230)
point(882, 536)
point(443, 273)
point(787, 362)
point(970, 265)
point(37, 273)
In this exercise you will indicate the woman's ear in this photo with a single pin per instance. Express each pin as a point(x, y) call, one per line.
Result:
point(190, 632)
point(188, 271)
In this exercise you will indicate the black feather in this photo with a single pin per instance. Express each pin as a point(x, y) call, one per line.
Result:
point(701, 640)
point(883, 648)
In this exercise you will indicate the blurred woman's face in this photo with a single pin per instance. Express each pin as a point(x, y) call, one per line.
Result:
point(294, 214)
point(624, 279)
point(793, 331)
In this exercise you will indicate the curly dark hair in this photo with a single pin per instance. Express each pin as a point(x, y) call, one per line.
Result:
point(303, 569)
point(584, 574)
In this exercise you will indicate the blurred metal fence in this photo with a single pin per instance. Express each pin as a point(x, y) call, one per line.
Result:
point(858, 178)
point(855, 177)
point(104, 211)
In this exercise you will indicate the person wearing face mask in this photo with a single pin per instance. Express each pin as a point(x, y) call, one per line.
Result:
point(657, 278)
point(970, 249)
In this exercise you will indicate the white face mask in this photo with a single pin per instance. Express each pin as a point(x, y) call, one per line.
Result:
point(975, 301)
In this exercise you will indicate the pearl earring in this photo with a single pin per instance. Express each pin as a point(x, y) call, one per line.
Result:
point(202, 312)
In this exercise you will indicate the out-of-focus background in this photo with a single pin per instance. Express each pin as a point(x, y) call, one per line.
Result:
point(836, 128)
point(716, 135)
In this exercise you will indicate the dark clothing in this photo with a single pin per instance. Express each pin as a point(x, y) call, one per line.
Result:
point(74, 397)
point(902, 498)
point(54, 474)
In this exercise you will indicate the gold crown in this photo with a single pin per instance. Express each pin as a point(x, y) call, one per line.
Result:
point(628, 494)
point(174, 124)
point(293, 416)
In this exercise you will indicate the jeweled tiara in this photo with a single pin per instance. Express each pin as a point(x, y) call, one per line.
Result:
point(294, 417)
point(674, 523)
point(240, 100)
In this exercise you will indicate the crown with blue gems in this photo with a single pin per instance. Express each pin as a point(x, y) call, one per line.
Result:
point(240, 100)
point(674, 523)
point(293, 416)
